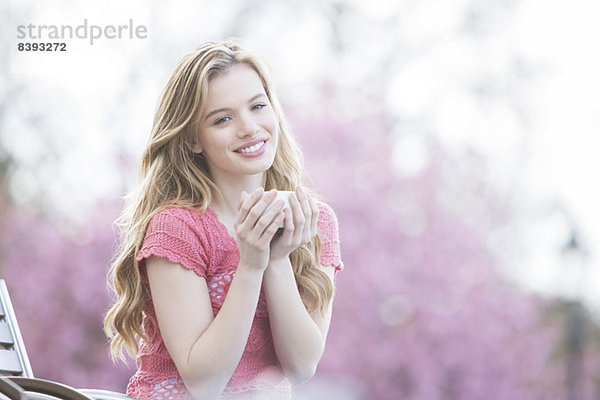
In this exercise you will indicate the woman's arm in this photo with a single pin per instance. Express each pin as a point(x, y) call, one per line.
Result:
point(207, 349)
point(298, 336)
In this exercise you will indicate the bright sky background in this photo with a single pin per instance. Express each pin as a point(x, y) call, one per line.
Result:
point(537, 121)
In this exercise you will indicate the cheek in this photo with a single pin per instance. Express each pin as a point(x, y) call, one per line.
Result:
point(275, 134)
point(214, 143)
point(273, 125)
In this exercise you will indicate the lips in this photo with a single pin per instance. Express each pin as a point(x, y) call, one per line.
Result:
point(251, 146)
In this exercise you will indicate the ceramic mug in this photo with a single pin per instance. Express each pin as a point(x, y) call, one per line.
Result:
point(281, 195)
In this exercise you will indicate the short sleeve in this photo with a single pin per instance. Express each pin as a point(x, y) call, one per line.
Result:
point(327, 228)
point(175, 235)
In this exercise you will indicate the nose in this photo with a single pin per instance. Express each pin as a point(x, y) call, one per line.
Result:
point(248, 126)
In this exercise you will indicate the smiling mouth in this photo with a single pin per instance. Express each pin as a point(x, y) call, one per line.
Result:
point(252, 148)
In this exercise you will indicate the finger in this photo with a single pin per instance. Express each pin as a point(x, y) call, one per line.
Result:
point(288, 226)
point(298, 217)
point(243, 196)
point(269, 215)
point(303, 199)
point(270, 231)
point(315, 216)
point(256, 212)
point(304, 202)
point(247, 204)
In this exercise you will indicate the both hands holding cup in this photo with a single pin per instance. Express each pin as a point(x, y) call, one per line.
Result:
point(262, 214)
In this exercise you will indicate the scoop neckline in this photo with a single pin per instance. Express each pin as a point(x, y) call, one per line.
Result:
point(222, 225)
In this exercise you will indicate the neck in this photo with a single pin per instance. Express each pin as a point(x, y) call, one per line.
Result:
point(227, 198)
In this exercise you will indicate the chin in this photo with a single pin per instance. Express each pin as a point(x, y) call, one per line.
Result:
point(262, 165)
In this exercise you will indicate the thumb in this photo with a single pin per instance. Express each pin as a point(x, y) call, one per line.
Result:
point(243, 196)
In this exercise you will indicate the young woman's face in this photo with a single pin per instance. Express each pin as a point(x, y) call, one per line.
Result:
point(238, 130)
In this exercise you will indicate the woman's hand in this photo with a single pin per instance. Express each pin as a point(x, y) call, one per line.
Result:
point(255, 228)
point(300, 225)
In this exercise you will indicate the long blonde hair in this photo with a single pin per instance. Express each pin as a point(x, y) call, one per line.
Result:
point(171, 174)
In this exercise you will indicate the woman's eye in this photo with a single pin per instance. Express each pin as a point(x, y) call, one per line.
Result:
point(259, 106)
point(222, 120)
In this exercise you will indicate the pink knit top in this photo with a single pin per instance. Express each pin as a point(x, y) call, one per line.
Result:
point(200, 242)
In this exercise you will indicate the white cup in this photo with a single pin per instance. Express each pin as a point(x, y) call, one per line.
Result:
point(285, 196)
point(281, 195)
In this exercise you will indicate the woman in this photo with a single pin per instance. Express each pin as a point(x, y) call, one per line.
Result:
point(227, 304)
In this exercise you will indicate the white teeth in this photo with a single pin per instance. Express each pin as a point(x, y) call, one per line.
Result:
point(252, 148)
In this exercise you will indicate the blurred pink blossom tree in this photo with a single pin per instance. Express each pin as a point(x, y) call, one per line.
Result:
point(57, 282)
point(420, 312)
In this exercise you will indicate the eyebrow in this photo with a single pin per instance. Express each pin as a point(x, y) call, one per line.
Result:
point(218, 110)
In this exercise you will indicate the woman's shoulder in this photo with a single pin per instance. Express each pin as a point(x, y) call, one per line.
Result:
point(173, 217)
point(326, 212)
point(181, 212)
point(327, 224)
point(177, 234)
point(328, 230)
